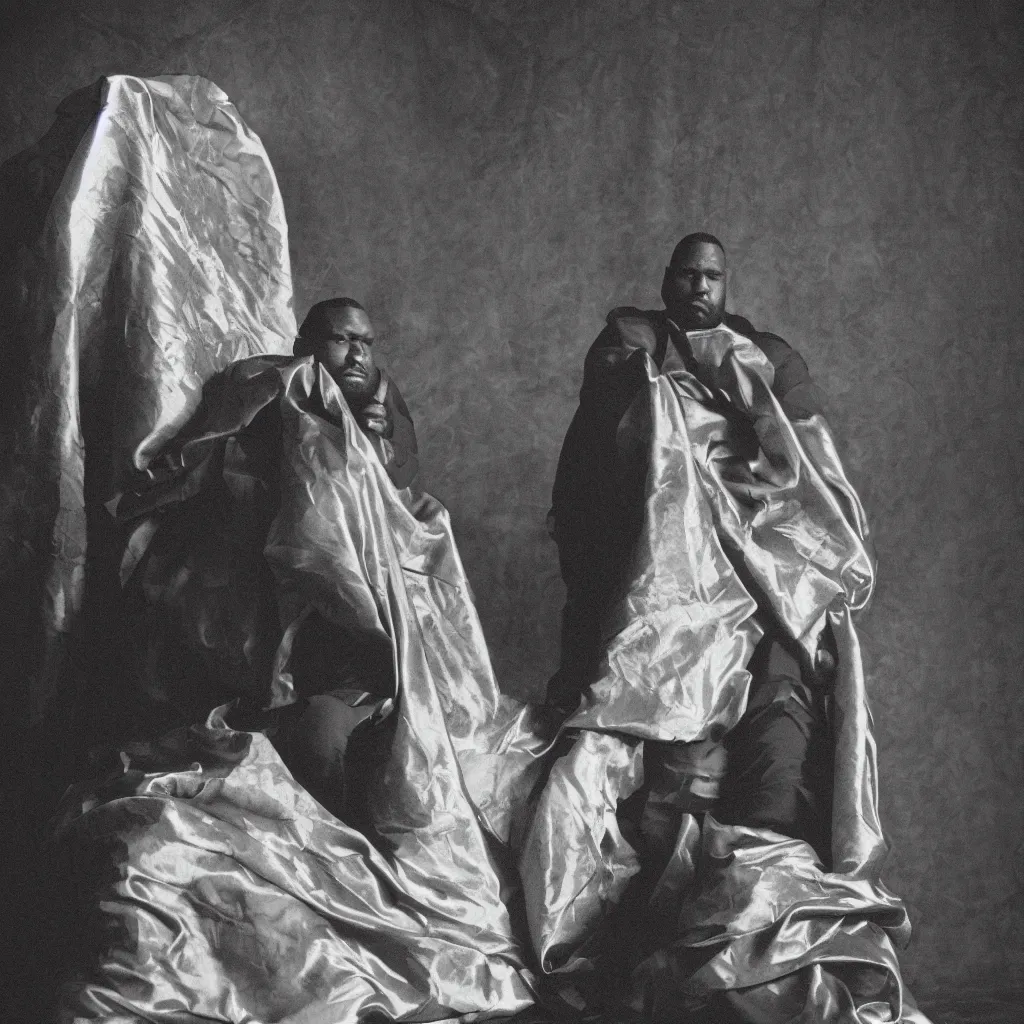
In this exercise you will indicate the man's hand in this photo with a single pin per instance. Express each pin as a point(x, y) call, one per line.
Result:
point(373, 417)
point(826, 659)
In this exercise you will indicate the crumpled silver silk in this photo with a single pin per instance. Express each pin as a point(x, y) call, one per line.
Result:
point(163, 257)
point(236, 896)
point(683, 631)
point(748, 921)
point(494, 858)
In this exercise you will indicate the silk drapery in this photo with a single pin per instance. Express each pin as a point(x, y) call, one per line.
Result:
point(738, 919)
point(160, 256)
point(733, 908)
point(234, 894)
point(215, 886)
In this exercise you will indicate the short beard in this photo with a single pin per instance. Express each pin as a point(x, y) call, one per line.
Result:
point(697, 320)
point(358, 392)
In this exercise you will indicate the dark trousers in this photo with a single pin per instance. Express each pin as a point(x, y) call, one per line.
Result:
point(779, 773)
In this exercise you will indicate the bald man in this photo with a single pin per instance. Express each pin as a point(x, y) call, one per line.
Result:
point(778, 756)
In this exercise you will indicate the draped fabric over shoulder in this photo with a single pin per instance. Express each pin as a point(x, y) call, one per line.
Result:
point(236, 894)
point(736, 922)
point(216, 497)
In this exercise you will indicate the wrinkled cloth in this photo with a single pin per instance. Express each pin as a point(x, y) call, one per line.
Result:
point(209, 883)
point(159, 257)
point(226, 892)
point(203, 620)
point(679, 637)
point(492, 863)
point(737, 922)
point(234, 895)
point(598, 492)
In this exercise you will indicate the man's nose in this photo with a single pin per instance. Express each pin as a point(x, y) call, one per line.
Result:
point(358, 352)
point(701, 285)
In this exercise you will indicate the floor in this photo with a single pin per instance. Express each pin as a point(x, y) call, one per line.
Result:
point(987, 1007)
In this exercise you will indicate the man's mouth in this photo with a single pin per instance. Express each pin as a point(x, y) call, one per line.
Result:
point(353, 372)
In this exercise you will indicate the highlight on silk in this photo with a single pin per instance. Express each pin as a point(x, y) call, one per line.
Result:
point(283, 784)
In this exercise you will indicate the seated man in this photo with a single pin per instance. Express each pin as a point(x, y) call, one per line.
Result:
point(275, 570)
point(714, 783)
point(194, 636)
point(323, 845)
point(314, 741)
point(339, 335)
point(779, 772)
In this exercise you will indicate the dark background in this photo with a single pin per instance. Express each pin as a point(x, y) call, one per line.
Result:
point(491, 177)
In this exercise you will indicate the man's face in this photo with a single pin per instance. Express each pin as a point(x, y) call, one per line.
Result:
point(343, 346)
point(694, 287)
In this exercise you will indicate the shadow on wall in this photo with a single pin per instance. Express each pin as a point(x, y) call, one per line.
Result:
point(29, 500)
point(36, 760)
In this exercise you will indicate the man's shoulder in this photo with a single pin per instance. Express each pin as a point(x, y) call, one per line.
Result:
point(402, 463)
point(393, 399)
point(777, 349)
point(260, 372)
point(251, 366)
point(655, 317)
point(631, 328)
point(625, 318)
point(793, 386)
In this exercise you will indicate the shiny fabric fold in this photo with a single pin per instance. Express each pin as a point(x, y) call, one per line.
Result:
point(235, 896)
point(226, 892)
point(744, 511)
point(406, 917)
point(491, 860)
point(162, 257)
point(680, 636)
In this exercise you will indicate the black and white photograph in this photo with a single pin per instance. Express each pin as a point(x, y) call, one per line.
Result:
point(512, 511)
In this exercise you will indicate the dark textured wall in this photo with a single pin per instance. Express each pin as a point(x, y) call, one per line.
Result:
point(491, 176)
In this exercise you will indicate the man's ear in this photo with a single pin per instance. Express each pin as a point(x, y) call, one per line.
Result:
point(302, 347)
